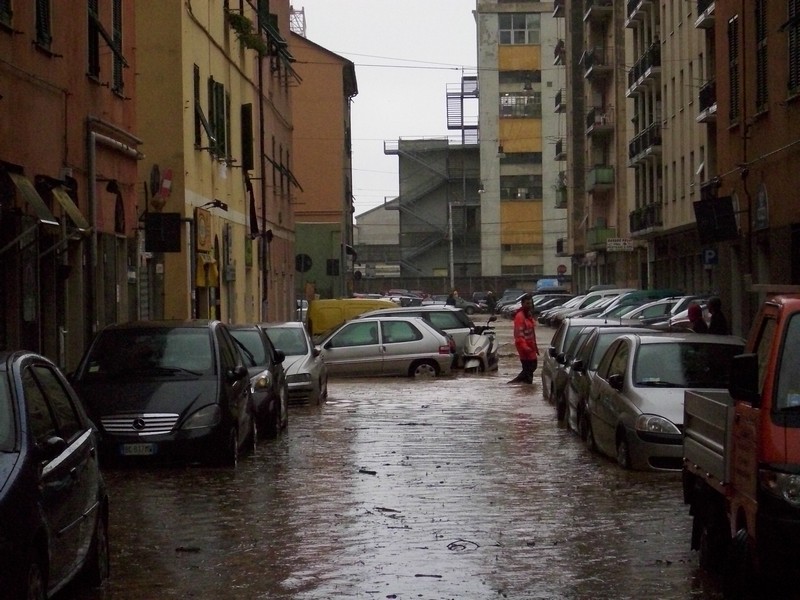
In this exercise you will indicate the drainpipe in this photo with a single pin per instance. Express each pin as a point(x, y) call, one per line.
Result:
point(127, 147)
point(262, 239)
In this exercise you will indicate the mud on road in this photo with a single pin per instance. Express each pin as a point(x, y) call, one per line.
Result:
point(461, 487)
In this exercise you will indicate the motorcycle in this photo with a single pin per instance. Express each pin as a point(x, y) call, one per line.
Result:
point(480, 349)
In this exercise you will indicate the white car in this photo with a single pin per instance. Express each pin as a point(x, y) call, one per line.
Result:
point(382, 346)
point(306, 372)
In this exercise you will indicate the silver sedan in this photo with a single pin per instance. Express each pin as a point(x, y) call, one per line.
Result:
point(635, 405)
point(306, 372)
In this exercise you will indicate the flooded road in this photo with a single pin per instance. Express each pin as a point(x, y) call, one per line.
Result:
point(452, 488)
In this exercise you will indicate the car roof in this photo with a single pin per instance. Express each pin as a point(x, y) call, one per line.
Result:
point(173, 323)
point(297, 324)
point(668, 337)
point(409, 309)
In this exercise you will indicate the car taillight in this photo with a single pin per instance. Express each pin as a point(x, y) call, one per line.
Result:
point(444, 350)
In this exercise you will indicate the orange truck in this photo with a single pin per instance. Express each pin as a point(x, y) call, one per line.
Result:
point(741, 466)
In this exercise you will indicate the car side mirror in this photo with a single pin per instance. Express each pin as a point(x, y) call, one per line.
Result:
point(280, 356)
point(551, 351)
point(316, 351)
point(577, 365)
point(615, 381)
point(53, 447)
point(236, 373)
point(561, 358)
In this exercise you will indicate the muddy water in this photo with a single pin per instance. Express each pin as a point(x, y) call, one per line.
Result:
point(460, 487)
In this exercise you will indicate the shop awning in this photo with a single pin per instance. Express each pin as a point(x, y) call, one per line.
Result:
point(33, 198)
point(60, 194)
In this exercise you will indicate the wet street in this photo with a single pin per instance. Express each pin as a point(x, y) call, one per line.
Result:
point(453, 488)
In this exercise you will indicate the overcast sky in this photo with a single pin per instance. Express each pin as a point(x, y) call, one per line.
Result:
point(405, 53)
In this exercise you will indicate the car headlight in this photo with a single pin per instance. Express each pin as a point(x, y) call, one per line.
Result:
point(262, 382)
point(655, 424)
point(207, 416)
point(299, 378)
point(781, 485)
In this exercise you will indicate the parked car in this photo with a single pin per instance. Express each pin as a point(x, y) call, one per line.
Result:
point(268, 384)
point(387, 345)
point(53, 499)
point(589, 306)
point(453, 321)
point(635, 405)
point(168, 389)
point(553, 387)
point(583, 367)
point(544, 315)
point(306, 372)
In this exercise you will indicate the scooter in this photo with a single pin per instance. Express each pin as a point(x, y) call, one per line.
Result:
point(480, 349)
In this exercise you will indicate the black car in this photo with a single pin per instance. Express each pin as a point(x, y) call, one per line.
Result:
point(267, 378)
point(168, 390)
point(53, 500)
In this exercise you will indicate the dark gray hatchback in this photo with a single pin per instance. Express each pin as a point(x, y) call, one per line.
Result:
point(168, 389)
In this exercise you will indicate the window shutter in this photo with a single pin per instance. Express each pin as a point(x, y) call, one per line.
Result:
point(247, 137)
point(794, 45)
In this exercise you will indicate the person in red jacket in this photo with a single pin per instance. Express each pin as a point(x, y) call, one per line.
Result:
point(525, 340)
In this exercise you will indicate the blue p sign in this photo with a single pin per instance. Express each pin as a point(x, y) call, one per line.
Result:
point(710, 257)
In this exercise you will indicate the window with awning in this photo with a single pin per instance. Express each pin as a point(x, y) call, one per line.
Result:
point(34, 200)
point(62, 196)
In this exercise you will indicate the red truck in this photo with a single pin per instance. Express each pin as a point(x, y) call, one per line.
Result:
point(741, 467)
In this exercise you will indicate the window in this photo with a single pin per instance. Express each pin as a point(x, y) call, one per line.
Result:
point(523, 104)
point(521, 187)
point(521, 158)
point(520, 78)
point(116, 36)
point(733, 67)
point(793, 36)
point(63, 409)
point(399, 331)
point(356, 334)
point(44, 32)
point(5, 12)
point(94, 41)
point(218, 117)
point(200, 122)
point(518, 28)
point(761, 55)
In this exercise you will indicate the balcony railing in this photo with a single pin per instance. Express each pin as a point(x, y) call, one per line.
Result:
point(561, 196)
point(596, 236)
point(595, 63)
point(559, 53)
point(561, 105)
point(646, 217)
point(646, 142)
point(635, 10)
point(600, 178)
point(708, 102)
point(561, 151)
point(646, 64)
point(599, 120)
point(705, 14)
point(558, 9)
point(562, 248)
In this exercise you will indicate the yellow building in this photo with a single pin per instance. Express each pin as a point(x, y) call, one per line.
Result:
point(214, 84)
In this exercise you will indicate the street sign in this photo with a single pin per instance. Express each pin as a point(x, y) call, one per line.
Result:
point(619, 245)
point(561, 269)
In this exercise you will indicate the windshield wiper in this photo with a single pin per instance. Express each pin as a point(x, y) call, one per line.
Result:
point(657, 383)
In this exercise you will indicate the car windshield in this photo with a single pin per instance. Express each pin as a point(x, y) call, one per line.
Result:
point(684, 364)
point(7, 429)
point(289, 339)
point(166, 350)
point(253, 345)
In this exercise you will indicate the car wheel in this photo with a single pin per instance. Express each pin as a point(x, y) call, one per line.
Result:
point(227, 454)
point(35, 585)
point(623, 452)
point(714, 539)
point(273, 420)
point(98, 567)
point(323, 390)
point(738, 579)
point(581, 419)
point(423, 369)
point(284, 417)
point(561, 408)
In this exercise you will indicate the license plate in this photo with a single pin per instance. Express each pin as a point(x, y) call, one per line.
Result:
point(137, 449)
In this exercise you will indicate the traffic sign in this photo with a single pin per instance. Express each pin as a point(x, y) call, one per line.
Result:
point(302, 263)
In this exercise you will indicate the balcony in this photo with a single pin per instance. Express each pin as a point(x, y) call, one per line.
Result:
point(708, 102)
point(600, 178)
point(597, 11)
point(599, 122)
point(558, 9)
point(560, 53)
point(645, 144)
point(646, 219)
point(646, 72)
point(705, 14)
point(596, 237)
point(596, 65)
point(561, 196)
point(561, 150)
point(636, 12)
point(561, 103)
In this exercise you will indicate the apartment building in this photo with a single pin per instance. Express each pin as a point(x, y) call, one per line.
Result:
point(69, 192)
point(323, 202)
point(522, 215)
point(214, 97)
